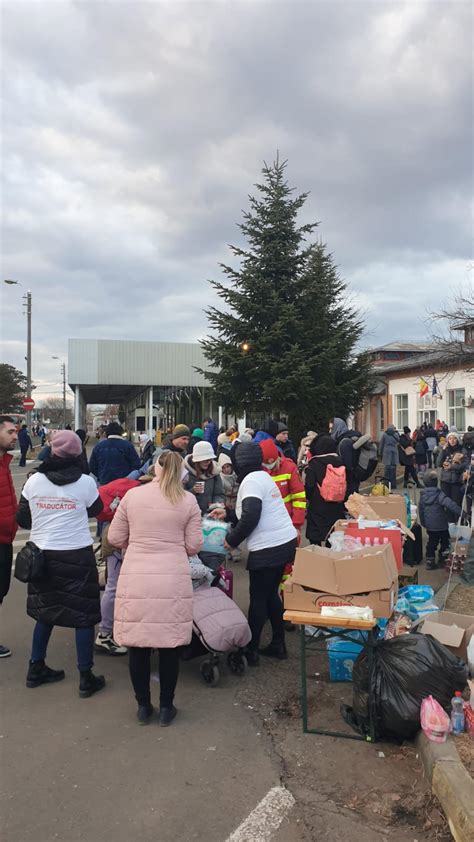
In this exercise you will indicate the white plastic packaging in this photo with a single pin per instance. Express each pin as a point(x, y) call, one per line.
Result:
point(352, 612)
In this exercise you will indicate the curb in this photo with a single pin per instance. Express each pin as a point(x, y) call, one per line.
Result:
point(451, 783)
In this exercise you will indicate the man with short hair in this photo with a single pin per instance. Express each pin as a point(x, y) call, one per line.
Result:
point(8, 437)
point(113, 457)
point(284, 442)
point(179, 440)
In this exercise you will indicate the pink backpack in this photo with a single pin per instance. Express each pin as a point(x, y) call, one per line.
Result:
point(334, 485)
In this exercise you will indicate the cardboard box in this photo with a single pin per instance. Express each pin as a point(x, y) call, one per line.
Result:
point(453, 630)
point(323, 577)
point(392, 507)
point(377, 537)
point(299, 598)
point(407, 576)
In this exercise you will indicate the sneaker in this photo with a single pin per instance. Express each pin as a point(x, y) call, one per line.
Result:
point(167, 715)
point(145, 714)
point(5, 652)
point(275, 650)
point(90, 684)
point(39, 673)
point(430, 564)
point(105, 644)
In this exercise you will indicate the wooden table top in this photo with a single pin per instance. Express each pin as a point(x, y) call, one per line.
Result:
point(311, 618)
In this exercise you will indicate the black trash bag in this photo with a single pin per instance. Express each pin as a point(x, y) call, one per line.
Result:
point(405, 671)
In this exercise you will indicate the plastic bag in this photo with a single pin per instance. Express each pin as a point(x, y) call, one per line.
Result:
point(434, 720)
point(405, 671)
point(340, 542)
point(214, 533)
point(417, 593)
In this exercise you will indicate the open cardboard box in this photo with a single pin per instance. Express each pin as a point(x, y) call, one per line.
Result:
point(453, 630)
point(323, 577)
point(391, 507)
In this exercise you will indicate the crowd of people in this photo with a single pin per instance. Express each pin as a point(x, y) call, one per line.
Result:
point(152, 503)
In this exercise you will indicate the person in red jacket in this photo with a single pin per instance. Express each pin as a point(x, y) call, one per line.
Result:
point(285, 473)
point(8, 437)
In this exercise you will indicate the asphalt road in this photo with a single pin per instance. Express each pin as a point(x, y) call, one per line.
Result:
point(82, 769)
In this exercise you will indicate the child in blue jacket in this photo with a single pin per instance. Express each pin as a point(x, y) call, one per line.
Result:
point(436, 511)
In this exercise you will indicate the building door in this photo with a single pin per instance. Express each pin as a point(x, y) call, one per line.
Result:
point(380, 417)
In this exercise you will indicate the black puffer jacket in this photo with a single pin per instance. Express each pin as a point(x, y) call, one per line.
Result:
point(69, 595)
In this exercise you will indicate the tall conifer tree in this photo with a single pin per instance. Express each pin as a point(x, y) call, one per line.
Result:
point(286, 341)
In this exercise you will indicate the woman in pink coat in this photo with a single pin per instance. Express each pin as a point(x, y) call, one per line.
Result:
point(160, 526)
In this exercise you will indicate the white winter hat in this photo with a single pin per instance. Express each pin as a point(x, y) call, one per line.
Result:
point(202, 451)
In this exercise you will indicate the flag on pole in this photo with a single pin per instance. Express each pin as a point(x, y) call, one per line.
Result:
point(424, 388)
point(435, 388)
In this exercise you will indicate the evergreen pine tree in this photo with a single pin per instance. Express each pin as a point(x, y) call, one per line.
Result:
point(286, 340)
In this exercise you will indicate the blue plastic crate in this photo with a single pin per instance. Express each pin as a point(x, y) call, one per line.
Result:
point(343, 654)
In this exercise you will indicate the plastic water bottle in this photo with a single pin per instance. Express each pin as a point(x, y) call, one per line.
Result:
point(457, 713)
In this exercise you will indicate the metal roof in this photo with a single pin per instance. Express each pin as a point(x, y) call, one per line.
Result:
point(458, 354)
point(414, 347)
point(120, 362)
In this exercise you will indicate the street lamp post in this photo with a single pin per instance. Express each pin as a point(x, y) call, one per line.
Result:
point(28, 306)
point(63, 376)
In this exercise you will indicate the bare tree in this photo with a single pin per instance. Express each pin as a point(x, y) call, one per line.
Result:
point(52, 410)
point(452, 330)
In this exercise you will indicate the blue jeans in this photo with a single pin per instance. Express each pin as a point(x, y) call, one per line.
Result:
point(84, 645)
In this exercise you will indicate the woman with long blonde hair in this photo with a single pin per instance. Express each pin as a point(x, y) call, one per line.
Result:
point(160, 527)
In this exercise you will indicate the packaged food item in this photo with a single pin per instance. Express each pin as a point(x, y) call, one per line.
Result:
point(434, 720)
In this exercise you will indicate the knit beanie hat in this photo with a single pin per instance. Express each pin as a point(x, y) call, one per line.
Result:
point(180, 430)
point(198, 433)
point(203, 451)
point(282, 428)
point(269, 450)
point(223, 438)
point(224, 460)
point(65, 443)
point(430, 479)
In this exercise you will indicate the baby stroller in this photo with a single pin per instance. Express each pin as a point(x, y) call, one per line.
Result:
point(219, 628)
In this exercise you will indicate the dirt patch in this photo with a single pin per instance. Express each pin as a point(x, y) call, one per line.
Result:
point(461, 600)
point(344, 788)
point(464, 745)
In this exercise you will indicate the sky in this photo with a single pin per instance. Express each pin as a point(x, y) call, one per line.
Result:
point(133, 134)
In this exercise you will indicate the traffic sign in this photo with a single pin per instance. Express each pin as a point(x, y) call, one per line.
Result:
point(28, 403)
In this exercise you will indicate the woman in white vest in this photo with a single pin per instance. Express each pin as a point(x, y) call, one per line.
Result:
point(271, 540)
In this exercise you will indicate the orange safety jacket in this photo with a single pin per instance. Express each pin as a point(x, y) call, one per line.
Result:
point(291, 488)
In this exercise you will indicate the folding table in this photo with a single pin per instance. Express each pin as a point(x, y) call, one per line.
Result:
point(332, 627)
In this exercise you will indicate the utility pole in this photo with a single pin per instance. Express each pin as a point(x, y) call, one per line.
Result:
point(63, 372)
point(27, 298)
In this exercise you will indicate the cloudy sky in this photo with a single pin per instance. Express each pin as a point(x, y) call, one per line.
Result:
point(133, 133)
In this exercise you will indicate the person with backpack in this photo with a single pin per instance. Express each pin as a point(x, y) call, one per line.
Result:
point(389, 454)
point(326, 489)
point(111, 495)
point(357, 452)
point(436, 511)
point(24, 440)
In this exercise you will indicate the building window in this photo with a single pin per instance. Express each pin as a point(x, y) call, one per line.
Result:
point(380, 416)
point(401, 411)
point(457, 408)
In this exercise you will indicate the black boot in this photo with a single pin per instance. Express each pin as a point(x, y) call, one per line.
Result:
point(145, 714)
point(39, 673)
point(275, 650)
point(252, 658)
point(90, 684)
point(167, 715)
